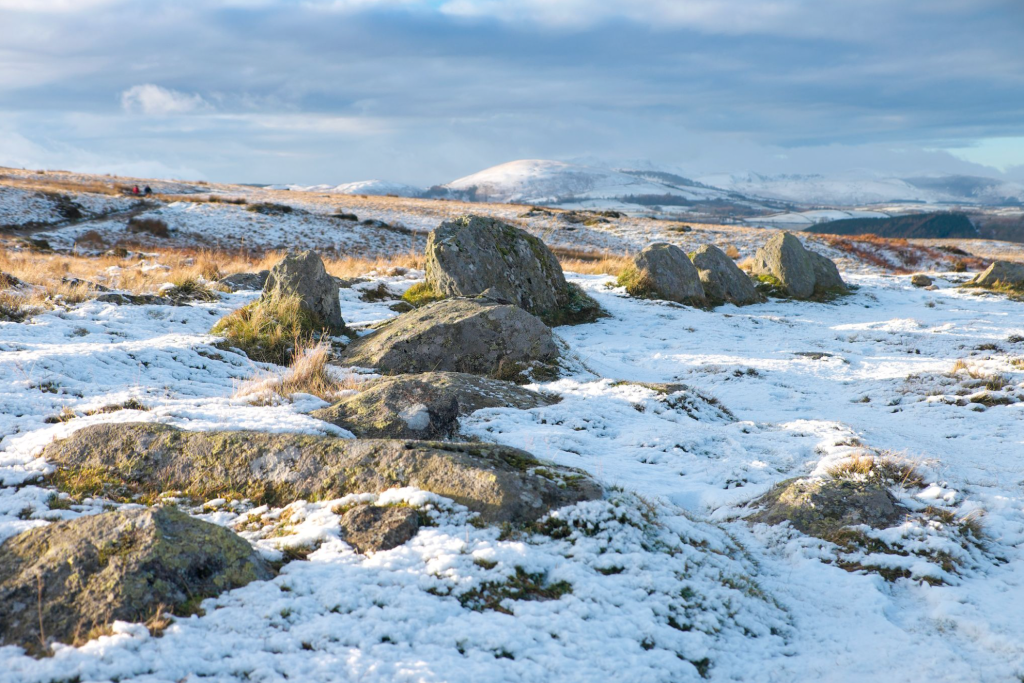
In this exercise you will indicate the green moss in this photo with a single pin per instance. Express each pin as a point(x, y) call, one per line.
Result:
point(1011, 291)
point(521, 586)
point(421, 294)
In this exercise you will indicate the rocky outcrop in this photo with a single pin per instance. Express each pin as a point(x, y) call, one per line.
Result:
point(69, 580)
point(479, 336)
point(784, 264)
point(663, 271)
point(369, 528)
point(473, 254)
point(303, 275)
point(239, 282)
point(822, 507)
point(722, 279)
point(1001, 274)
point(921, 280)
point(425, 405)
point(121, 461)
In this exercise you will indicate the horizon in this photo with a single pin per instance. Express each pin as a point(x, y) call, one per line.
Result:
point(423, 93)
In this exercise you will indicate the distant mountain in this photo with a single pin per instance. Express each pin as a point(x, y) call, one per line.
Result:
point(858, 189)
point(537, 181)
point(943, 225)
point(369, 187)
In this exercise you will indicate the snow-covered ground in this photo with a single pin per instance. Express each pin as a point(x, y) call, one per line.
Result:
point(807, 385)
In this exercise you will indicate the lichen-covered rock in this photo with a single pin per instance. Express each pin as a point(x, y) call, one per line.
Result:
point(85, 573)
point(369, 528)
point(303, 275)
point(472, 254)
point(722, 279)
point(921, 280)
point(134, 299)
point(822, 507)
point(478, 336)
point(1000, 274)
point(664, 271)
point(238, 282)
point(424, 405)
point(121, 461)
point(784, 263)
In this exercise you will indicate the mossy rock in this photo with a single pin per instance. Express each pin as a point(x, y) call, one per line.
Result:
point(303, 275)
point(788, 269)
point(470, 255)
point(69, 580)
point(722, 279)
point(1001, 275)
point(479, 336)
point(139, 461)
point(663, 271)
point(824, 507)
point(424, 405)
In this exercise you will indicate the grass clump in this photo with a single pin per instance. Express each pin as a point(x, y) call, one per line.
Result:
point(270, 329)
point(887, 470)
point(190, 287)
point(522, 585)
point(307, 374)
point(421, 294)
point(153, 226)
point(637, 283)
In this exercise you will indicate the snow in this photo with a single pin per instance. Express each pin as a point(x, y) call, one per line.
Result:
point(369, 187)
point(806, 386)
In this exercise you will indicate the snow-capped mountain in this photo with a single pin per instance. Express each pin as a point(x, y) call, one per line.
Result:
point(539, 181)
point(370, 187)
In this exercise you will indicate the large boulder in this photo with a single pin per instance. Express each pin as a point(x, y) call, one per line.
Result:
point(722, 279)
point(478, 336)
point(784, 263)
point(425, 405)
point(998, 275)
point(663, 271)
point(69, 580)
point(472, 254)
point(303, 275)
point(121, 461)
point(823, 507)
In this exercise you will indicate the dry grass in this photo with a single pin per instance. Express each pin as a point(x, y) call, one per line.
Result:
point(602, 264)
point(888, 469)
point(307, 374)
point(270, 329)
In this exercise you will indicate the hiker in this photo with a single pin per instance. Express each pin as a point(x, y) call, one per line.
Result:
point(148, 191)
point(135, 190)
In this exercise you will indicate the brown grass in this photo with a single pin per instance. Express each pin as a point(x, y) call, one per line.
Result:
point(888, 469)
point(307, 374)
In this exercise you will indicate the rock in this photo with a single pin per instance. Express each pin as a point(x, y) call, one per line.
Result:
point(76, 282)
point(120, 461)
point(826, 274)
point(8, 281)
point(302, 274)
point(135, 299)
point(1000, 274)
point(369, 528)
point(238, 282)
point(663, 271)
point(921, 280)
point(478, 336)
point(472, 254)
point(125, 565)
point(425, 405)
point(721, 278)
point(784, 263)
point(822, 507)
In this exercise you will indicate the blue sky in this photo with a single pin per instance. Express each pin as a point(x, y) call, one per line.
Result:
point(423, 92)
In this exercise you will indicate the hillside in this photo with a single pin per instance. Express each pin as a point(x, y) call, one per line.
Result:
point(917, 226)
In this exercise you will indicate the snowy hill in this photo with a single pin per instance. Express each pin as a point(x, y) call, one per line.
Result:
point(538, 181)
point(378, 188)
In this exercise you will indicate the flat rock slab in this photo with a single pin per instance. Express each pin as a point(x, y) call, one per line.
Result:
point(121, 461)
point(470, 255)
point(369, 528)
point(477, 336)
point(425, 405)
point(85, 573)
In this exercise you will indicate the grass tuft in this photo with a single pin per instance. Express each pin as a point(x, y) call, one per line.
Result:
point(270, 329)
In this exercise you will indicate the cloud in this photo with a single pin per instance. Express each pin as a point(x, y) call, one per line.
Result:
point(152, 100)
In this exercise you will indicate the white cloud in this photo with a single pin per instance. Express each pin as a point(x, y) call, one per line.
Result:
point(153, 100)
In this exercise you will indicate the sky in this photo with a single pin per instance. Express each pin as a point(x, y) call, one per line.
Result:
point(426, 91)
